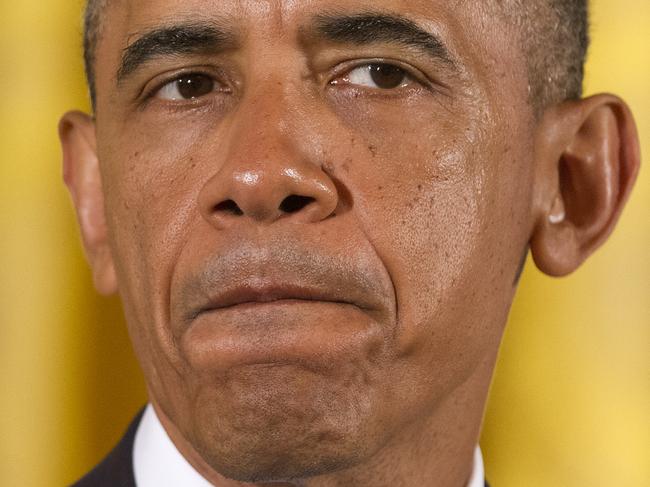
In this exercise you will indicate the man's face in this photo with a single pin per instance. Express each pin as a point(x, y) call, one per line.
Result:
point(316, 211)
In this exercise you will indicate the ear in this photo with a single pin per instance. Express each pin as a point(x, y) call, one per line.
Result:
point(83, 179)
point(587, 159)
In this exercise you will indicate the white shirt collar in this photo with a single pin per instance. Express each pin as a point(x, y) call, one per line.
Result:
point(157, 462)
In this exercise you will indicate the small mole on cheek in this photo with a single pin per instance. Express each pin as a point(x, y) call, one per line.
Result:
point(373, 150)
point(419, 187)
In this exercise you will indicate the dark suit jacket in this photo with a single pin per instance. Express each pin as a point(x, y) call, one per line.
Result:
point(116, 470)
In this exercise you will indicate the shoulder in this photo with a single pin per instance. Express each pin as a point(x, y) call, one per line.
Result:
point(116, 470)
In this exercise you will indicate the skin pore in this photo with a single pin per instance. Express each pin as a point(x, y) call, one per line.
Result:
point(314, 213)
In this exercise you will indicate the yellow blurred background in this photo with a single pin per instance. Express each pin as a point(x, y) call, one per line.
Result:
point(570, 401)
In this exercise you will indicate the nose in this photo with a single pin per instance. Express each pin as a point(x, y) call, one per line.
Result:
point(267, 173)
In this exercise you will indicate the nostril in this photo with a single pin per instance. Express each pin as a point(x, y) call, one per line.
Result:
point(229, 206)
point(294, 203)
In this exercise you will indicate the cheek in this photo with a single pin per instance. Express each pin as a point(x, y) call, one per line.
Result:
point(440, 209)
point(151, 182)
point(151, 185)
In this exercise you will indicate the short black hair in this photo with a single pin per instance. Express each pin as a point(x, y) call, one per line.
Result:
point(92, 28)
point(555, 39)
point(554, 35)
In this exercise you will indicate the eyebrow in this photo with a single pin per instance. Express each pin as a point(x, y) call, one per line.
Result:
point(174, 40)
point(371, 28)
point(206, 37)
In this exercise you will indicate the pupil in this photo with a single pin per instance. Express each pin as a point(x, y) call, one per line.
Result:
point(387, 76)
point(194, 86)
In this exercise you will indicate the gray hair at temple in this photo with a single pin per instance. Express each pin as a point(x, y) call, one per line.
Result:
point(553, 33)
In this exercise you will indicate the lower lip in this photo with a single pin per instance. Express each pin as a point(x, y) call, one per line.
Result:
point(309, 333)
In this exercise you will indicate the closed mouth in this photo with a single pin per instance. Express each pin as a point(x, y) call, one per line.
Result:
point(267, 294)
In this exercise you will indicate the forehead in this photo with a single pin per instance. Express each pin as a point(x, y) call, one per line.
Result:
point(279, 10)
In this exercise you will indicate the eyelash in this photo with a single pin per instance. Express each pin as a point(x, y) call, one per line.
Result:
point(344, 69)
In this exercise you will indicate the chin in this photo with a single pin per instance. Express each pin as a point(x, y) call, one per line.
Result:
point(270, 463)
point(282, 425)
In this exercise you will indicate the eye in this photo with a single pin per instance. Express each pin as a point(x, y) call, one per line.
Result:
point(383, 76)
point(187, 87)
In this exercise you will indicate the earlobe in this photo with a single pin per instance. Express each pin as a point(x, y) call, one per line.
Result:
point(82, 177)
point(587, 159)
